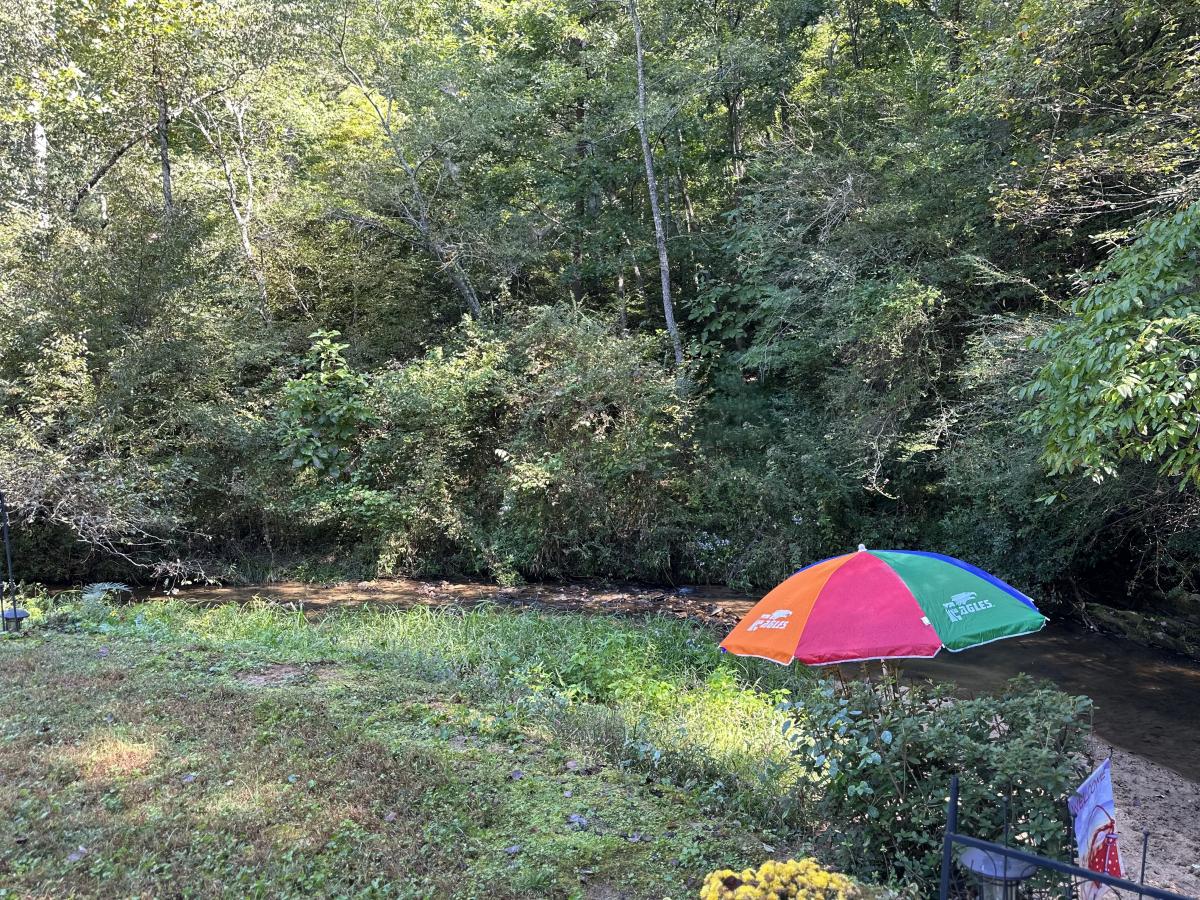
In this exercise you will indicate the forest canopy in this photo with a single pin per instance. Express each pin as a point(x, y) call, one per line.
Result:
point(673, 290)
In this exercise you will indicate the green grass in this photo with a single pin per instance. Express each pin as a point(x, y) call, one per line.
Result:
point(247, 751)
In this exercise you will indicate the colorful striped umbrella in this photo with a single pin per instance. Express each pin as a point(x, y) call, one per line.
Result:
point(882, 604)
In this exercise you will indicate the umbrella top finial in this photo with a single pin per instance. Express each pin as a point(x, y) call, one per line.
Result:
point(862, 548)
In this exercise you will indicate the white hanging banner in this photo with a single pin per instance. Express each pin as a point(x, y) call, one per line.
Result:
point(1095, 815)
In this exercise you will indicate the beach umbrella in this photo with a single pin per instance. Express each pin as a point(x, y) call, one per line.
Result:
point(882, 604)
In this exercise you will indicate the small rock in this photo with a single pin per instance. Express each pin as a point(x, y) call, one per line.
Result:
point(188, 778)
point(513, 850)
point(572, 765)
point(568, 793)
point(516, 774)
point(580, 822)
point(78, 854)
point(391, 816)
point(103, 651)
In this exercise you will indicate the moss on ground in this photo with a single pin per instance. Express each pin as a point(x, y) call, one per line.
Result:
point(149, 766)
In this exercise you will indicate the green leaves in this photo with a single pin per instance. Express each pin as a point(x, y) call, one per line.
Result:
point(322, 413)
point(1121, 381)
point(880, 754)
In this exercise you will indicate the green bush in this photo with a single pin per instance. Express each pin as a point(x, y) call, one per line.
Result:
point(885, 752)
point(548, 448)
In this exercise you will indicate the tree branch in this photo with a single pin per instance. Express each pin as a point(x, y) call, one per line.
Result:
point(140, 135)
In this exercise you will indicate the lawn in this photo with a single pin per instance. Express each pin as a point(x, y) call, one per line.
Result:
point(155, 750)
point(166, 748)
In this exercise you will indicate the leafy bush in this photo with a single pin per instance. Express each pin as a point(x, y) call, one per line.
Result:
point(552, 448)
point(322, 412)
point(1121, 381)
point(885, 752)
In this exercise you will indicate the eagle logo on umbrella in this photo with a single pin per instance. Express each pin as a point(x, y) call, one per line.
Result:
point(776, 620)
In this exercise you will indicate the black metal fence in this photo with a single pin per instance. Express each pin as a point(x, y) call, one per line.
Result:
point(1020, 875)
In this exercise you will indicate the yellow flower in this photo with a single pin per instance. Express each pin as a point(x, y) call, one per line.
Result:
point(777, 879)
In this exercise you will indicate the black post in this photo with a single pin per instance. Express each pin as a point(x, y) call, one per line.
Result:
point(1006, 837)
point(1145, 847)
point(948, 841)
point(8, 588)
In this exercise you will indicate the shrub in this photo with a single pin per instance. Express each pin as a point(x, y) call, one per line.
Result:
point(885, 754)
point(547, 447)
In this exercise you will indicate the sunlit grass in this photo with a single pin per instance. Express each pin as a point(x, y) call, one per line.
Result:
point(109, 756)
point(674, 704)
point(253, 752)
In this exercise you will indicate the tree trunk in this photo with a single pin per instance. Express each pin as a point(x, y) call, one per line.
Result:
point(143, 132)
point(241, 205)
point(735, 100)
point(622, 303)
point(955, 35)
point(581, 151)
point(639, 283)
point(164, 150)
point(454, 271)
point(41, 157)
point(689, 209)
point(660, 236)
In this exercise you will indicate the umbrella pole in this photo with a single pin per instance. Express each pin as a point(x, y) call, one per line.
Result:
point(841, 677)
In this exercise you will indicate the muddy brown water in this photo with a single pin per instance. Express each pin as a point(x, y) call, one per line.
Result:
point(1146, 701)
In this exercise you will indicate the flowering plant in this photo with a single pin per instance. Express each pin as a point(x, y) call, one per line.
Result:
point(803, 879)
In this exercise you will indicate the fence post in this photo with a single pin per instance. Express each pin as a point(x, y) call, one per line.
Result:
point(948, 841)
point(1145, 847)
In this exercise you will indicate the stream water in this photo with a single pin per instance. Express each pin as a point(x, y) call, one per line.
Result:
point(1147, 702)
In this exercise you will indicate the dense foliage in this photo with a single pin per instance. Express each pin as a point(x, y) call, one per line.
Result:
point(883, 750)
point(379, 282)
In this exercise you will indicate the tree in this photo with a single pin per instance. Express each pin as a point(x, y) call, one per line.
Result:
point(660, 234)
point(1121, 382)
point(224, 137)
point(393, 92)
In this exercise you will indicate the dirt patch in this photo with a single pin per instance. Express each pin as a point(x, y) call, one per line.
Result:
point(716, 606)
point(1153, 798)
point(279, 674)
point(272, 676)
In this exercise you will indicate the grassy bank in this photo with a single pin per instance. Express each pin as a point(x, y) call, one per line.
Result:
point(250, 751)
